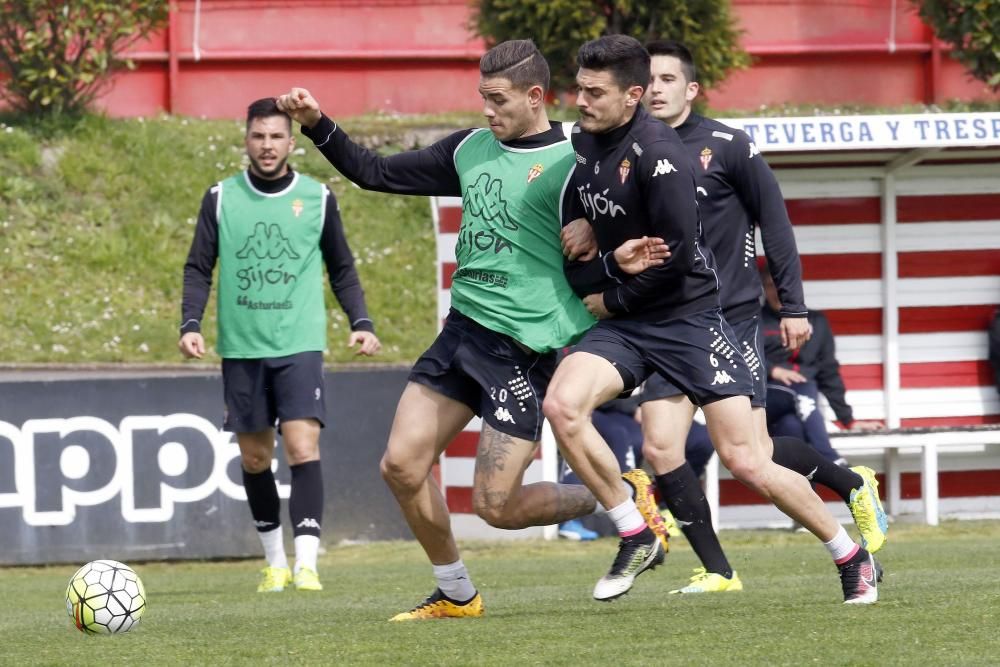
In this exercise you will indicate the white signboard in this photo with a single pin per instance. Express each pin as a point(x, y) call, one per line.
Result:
point(825, 133)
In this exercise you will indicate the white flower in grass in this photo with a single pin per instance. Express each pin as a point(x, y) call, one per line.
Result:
point(143, 347)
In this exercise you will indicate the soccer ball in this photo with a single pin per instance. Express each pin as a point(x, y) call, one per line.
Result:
point(105, 597)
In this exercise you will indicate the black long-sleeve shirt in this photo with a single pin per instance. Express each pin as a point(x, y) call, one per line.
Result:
point(635, 181)
point(816, 359)
point(428, 171)
point(738, 191)
point(333, 244)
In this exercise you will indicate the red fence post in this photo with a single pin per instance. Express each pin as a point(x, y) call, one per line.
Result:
point(173, 59)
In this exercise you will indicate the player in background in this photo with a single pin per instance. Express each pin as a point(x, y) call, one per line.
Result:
point(512, 309)
point(737, 192)
point(271, 230)
point(635, 179)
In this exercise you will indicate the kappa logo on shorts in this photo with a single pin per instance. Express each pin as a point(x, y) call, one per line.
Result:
point(318, 394)
point(503, 415)
point(308, 522)
point(722, 377)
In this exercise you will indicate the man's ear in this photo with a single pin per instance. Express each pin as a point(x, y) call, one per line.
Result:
point(536, 96)
point(634, 95)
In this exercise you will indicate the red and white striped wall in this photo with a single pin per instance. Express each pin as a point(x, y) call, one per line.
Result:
point(931, 325)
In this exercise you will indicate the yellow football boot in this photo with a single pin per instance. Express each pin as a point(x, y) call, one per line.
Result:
point(646, 502)
point(274, 580)
point(710, 582)
point(438, 605)
point(306, 579)
point(866, 508)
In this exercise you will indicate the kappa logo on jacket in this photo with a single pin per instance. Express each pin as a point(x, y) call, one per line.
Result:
point(664, 167)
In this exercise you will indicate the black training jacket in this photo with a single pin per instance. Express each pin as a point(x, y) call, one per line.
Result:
point(636, 181)
point(736, 191)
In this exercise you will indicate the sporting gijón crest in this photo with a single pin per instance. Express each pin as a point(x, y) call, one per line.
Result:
point(623, 170)
point(535, 171)
point(705, 157)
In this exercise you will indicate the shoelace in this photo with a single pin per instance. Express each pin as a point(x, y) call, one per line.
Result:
point(431, 600)
point(629, 556)
point(864, 519)
point(700, 574)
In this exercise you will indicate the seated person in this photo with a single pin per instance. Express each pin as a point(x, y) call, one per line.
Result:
point(619, 423)
point(796, 378)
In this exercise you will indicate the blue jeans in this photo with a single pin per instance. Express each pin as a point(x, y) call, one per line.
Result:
point(793, 411)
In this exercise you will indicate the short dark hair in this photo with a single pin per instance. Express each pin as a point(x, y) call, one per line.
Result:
point(517, 60)
point(622, 55)
point(265, 108)
point(668, 47)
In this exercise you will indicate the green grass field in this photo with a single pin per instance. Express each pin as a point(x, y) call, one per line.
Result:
point(939, 606)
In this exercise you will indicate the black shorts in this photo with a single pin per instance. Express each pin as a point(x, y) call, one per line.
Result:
point(259, 392)
point(697, 352)
point(498, 378)
point(751, 344)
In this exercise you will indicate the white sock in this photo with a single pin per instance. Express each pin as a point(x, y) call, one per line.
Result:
point(274, 547)
point(629, 489)
point(306, 548)
point(841, 547)
point(627, 518)
point(454, 581)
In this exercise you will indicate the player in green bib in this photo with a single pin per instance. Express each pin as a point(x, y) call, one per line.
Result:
point(512, 309)
point(272, 230)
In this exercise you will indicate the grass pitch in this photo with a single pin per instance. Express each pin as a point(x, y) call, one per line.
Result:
point(939, 606)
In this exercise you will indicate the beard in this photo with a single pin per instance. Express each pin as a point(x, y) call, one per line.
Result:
point(268, 174)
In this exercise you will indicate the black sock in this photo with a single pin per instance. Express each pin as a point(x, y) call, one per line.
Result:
point(262, 496)
point(797, 455)
point(682, 492)
point(305, 505)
